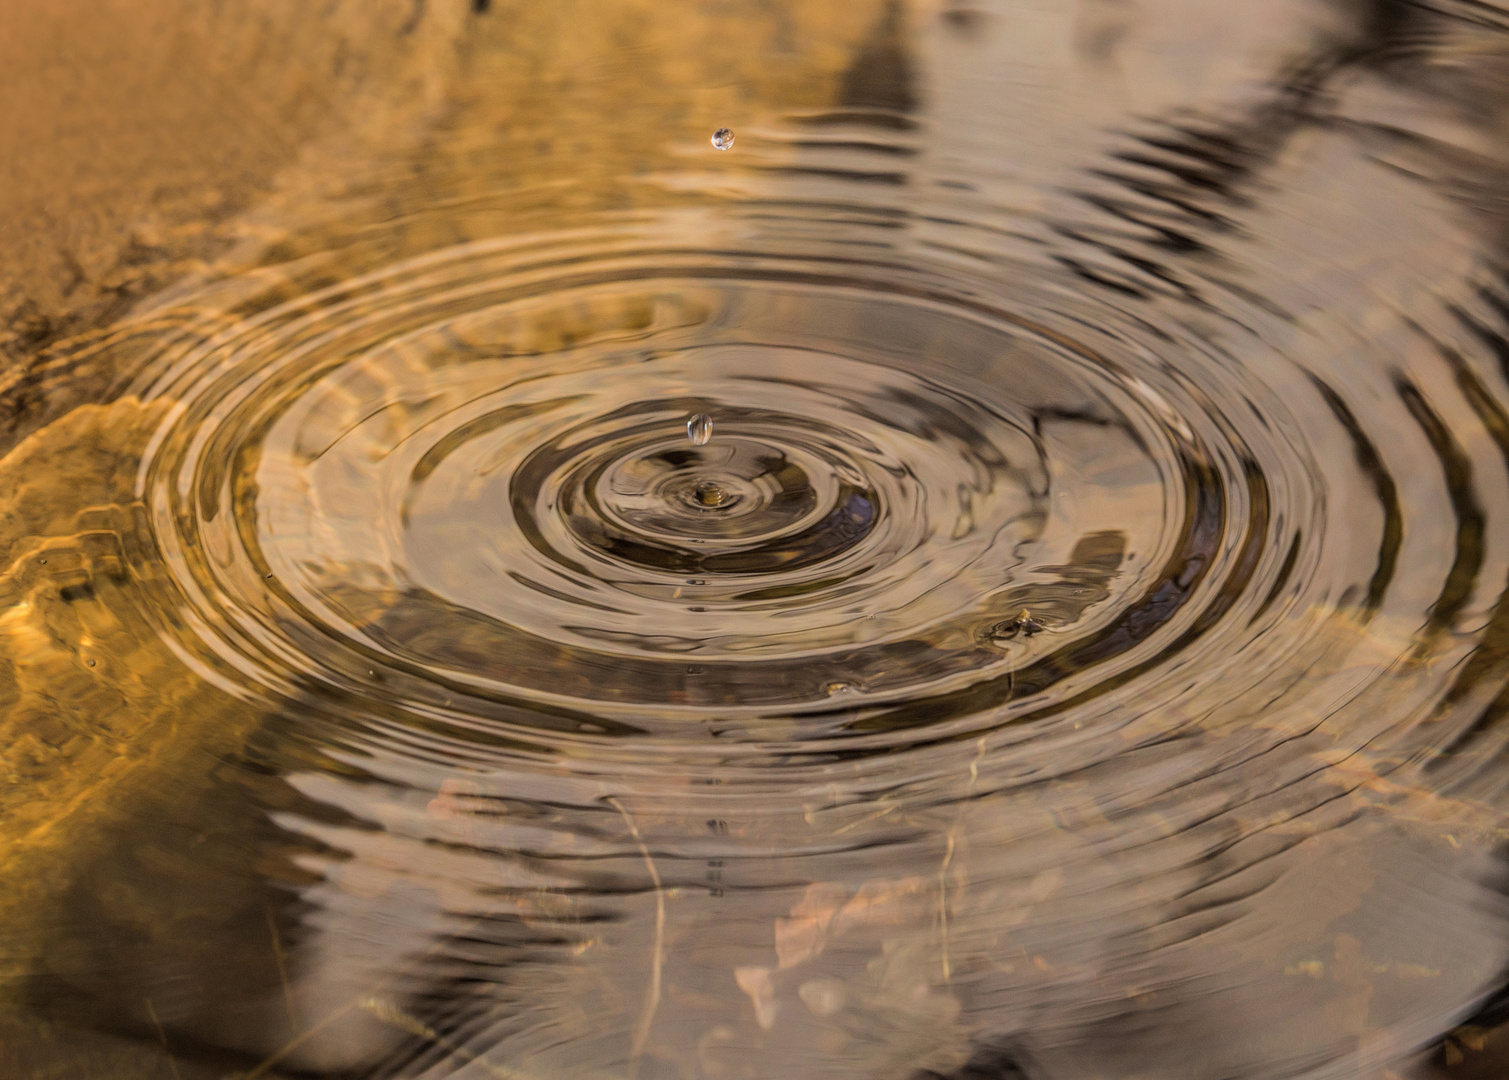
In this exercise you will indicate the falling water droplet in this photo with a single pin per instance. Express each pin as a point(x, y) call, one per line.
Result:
point(723, 138)
point(699, 429)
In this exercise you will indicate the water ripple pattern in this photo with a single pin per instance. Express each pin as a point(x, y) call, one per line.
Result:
point(483, 484)
point(908, 599)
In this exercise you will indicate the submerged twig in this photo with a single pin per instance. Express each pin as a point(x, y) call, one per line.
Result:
point(277, 955)
point(948, 857)
point(390, 1013)
point(163, 1037)
point(297, 1041)
point(652, 994)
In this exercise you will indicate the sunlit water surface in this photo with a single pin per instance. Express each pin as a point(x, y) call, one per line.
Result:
point(1000, 574)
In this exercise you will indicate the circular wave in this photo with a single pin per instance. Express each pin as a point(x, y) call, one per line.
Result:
point(465, 486)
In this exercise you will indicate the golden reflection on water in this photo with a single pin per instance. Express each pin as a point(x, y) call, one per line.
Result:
point(165, 181)
point(188, 865)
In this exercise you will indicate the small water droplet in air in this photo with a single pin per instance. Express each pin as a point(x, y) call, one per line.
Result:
point(723, 138)
point(699, 429)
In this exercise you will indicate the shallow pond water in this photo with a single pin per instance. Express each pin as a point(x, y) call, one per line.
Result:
point(1000, 571)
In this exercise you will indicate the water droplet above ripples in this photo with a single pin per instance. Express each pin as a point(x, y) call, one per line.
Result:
point(723, 139)
point(699, 429)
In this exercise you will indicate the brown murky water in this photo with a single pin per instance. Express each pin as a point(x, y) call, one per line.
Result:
point(1003, 572)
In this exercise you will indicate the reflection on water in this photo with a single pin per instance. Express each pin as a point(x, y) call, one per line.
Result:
point(1004, 573)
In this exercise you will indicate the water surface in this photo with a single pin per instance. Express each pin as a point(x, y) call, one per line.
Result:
point(1002, 573)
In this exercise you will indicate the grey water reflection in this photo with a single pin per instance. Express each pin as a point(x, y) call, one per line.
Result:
point(1069, 640)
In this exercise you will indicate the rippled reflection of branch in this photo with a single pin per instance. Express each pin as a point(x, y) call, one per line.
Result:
point(652, 994)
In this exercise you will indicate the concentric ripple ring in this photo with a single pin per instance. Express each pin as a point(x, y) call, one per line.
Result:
point(470, 474)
